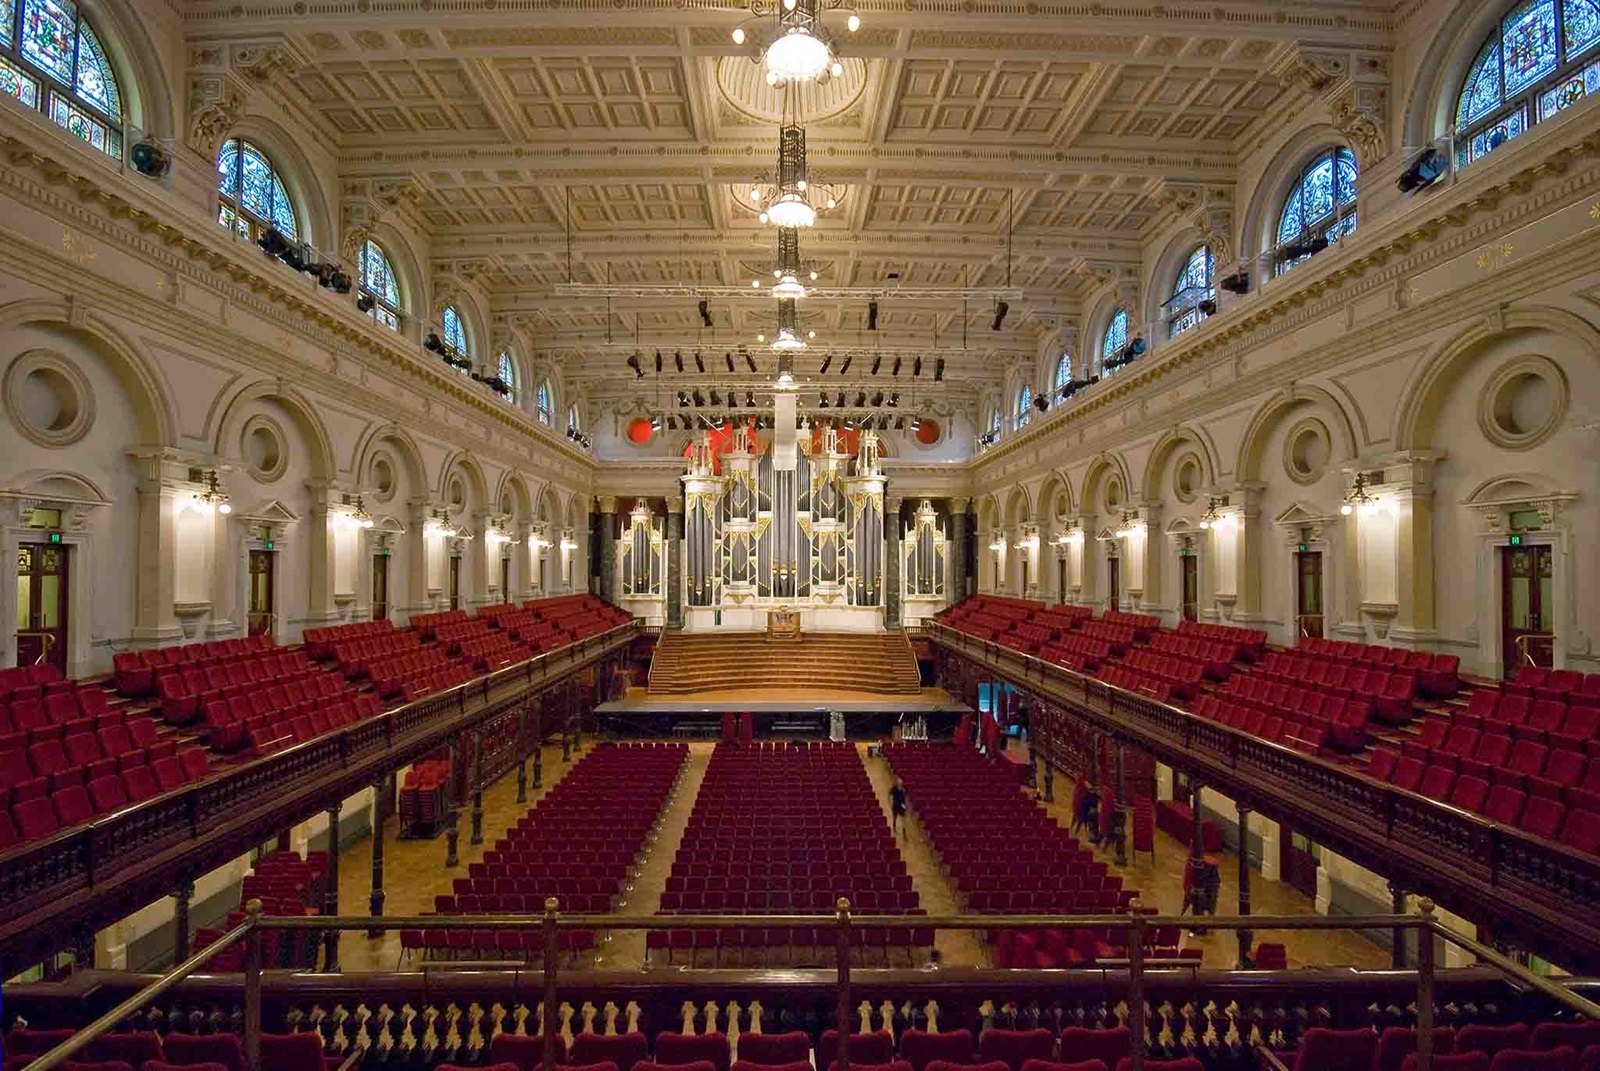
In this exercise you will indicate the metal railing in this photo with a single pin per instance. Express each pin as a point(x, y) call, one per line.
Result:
point(1309, 625)
point(1135, 926)
point(48, 640)
point(1523, 657)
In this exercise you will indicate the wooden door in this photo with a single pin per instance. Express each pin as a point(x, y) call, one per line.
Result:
point(1308, 593)
point(505, 579)
point(260, 610)
point(380, 587)
point(1298, 857)
point(1061, 581)
point(1189, 566)
point(42, 607)
point(1526, 605)
point(1114, 582)
point(455, 581)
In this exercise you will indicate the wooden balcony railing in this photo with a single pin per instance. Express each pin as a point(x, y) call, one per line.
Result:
point(1136, 993)
point(98, 872)
point(1544, 893)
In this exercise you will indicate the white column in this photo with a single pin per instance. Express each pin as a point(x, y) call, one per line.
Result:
point(155, 621)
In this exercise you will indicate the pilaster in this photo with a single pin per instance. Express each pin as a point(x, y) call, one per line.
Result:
point(155, 618)
point(320, 607)
point(416, 559)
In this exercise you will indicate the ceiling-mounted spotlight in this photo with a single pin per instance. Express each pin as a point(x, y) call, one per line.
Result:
point(938, 370)
point(750, 398)
point(1424, 170)
point(733, 399)
point(751, 361)
point(432, 343)
point(822, 400)
point(883, 422)
point(916, 366)
point(826, 361)
point(716, 399)
point(861, 398)
point(658, 362)
point(896, 370)
point(699, 399)
point(683, 398)
point(677, 359)
point(839, 401)
point(365, 302)
point(877, 399)
point(900, 424)
point(894, 399)
point(844, 369)
point(699, 362)
point(1000, 310)
point(877, 363)
point(633, 363)
point(1041, 403)
point(655, 422)
point(705, 312)
point(872, 315)
point(729, 358)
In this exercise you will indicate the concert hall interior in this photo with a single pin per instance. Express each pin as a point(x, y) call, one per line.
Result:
point(775, 535)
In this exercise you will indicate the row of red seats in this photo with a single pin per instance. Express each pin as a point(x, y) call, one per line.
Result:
point(226, 720)
point(1343, 719)
point(422, 797)
point(184, 694)
point(34, 813)
point(1215, 658)
point(55, 713)
point(492, 651)
point(1550, 1046)
point(1545, 683)
point(1571, 816)
point(1250, 644)
point(27, 682)
point(1184, 676)
point(427, 625)
point(1120, 637)
point(1144, 625)
point(135, 672)
point(1279, 725)
point(584, 807)
point(286, 884)
point(1529, 717)
point(1392, 693)
point(355, 656)
point(319, 642)
point(413, 676)
point(1545, 769)
point(1078, 653)
point(1439, 674)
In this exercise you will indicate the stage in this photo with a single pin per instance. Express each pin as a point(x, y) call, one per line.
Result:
point(779, 714)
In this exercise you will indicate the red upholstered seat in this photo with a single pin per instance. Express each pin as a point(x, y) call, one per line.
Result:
point(1082, 1043)
point(1398, 1042)
point(674, 1048)
point(225, 1049)
point(1579, 1035)
point(208, 1065)
point(1563, 1059)
point(1460, 1061)
point(527, 1051)
point(1016, 1047)
point(132, 1048)
point(792, 1047)
point(1322, 1049)
point(291, 1052)
point(919, 1048)
point(1080, 1065)
point(1188, 1063)
point(876, 1048)
point(1480, 1037)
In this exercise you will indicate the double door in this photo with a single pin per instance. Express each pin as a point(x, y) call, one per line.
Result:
point(1527, 607)
point(42, 607)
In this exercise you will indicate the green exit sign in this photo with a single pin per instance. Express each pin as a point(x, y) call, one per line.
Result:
point(1302, 548)
point(55, 537)
point(1516, 541)
point(266, 545)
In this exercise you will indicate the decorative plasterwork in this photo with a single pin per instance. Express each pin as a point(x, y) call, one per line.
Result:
point(1207, 208)
point(366, 202)
point(221, 79)
point(1354, 84)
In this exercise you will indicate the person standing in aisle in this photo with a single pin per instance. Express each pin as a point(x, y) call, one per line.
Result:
point(897, 804)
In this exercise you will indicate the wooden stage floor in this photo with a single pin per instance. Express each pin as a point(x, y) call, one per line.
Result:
point(781, 700)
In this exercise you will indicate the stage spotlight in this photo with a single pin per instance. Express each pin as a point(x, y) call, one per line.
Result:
point(751, 361)
point(844, 369)
point(822, 400)
point(1237, 283)
point(750, 398)
point(894, 400)
point(705, 312)
point(699, 399)
point(839, 401)
point(716, 399)
point(938, 370)
point(677, 359)
point(1424, 170)
point(896, 370)
point(872, 315)
point(658, 362)
point(861, 398)
point(733, 400)
point(826, 362)
point(729, 358)
point(916, 367)
point(365, 302)
point(655, 422)
point(1000, 310)
point(432, 343)
point(273, 243)
point(900, 424)
point(877, 363)
point(1041, 403)
point(877, 399)
point(699, 362)
point(683, 398)
point(633, 363)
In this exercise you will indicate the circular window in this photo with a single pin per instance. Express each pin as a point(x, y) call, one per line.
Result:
point(640, 431)
point(458, 493)
point(48, 398)
point(382, 478)
point(1113, 493)
point(1523, 403)
point(928, 432)
point(1186, 477)
point(1306, 450)
point(262, 449)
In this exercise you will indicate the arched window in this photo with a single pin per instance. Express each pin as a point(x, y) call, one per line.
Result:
point(994, 423)
point(573, 423)
point(507, 370)
point(1063, 374)
point(1114, 342)
point(545, 403)
point(378, 284)
point(1193, 295)
point(52, 60)
point(1320, 208)
point(1024, 406)
point(455, 336)
point(251, 192)
point(1531, 67)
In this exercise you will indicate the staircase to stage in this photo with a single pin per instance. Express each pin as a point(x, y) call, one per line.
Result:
point(881, 663)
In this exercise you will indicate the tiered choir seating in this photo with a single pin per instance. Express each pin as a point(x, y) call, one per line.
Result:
point(579, 844)
point(1036, 867)
point(780, 829)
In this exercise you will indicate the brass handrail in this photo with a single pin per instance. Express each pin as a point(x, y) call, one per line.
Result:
point(49, 639)
point(552, 923)
point(1300, 623)
point(1521, 643)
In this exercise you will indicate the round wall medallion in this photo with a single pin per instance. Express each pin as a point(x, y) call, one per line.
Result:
point(929, 432)
point(263, 448)
point(1523, 402)
point(380, 477)
point(1186, 477)
point(1306, 450)
point(1113, 494)
point(458, 492)
point(49, 398)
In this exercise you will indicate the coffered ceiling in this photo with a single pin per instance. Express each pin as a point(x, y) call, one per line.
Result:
point(593, 143)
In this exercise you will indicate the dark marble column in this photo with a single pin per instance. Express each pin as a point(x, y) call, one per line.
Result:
point(960, 573)
point(1246, 938)
point(330, 894)
point(891, 563)
point(608, 546)
point(674, 552)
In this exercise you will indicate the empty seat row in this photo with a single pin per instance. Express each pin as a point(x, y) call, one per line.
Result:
point(1438, 674)
point(135, 672)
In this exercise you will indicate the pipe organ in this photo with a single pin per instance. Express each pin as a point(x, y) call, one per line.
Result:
point(643, 554)
point(806, 529)
point(926, 555)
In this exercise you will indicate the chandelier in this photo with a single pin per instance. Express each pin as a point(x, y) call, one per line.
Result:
point(1357, 500)
point(788, 339)
point(213, 499)
point(800, 49)
point(359, 514)
point(1212, 515)
point(788, 268)
point(787, 200)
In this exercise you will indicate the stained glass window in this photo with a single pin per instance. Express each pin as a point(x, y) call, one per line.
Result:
point(1527, 71)
point(1024, 406)
point(378, 283)
point(1321, 206)
point(573, 423)
point(1115, 340)
point(507, 370)
point(1193, 286)
point(80, 94)
point(1063, 371)
point(455, 336)
point(252, 193)
point(545, 416)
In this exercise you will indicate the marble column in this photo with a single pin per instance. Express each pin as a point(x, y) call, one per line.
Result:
point(960, 568)
point(891, 562)
point(1249, 546)
point(522, 563)
point(674, 553)
point(1414, 614)
point(607, 507)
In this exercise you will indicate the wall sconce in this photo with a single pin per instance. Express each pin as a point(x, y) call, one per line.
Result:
point(1357, 500)
point(1131, 525)
point(997, 545)
point(568, 544)
point(1212, 515)
point(439, 523)
point(213, 499)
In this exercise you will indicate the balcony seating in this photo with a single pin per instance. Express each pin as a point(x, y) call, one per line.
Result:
point(1438, 675)
point(135, 673)
point(785, 830)
point(623, 1050)
point(224, 1049)
point(1084, 1043)
point(1013, 1048)
point(1562, 1059)
point(579, 845)
point(675, 1049)
point(1215, 658)
point(876, 1047)
point(1176, 819)
point(1250, 644)
point(1039, 868)
point(320, 642)
point(1323, 1049)
point(1078, 653)
point(1181, 677)
point(1490, 1039)
point(1143, 625)
point(1395, 1043)
point(185, 692)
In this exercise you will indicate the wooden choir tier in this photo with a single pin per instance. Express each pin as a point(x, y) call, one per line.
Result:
point(880, 663)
